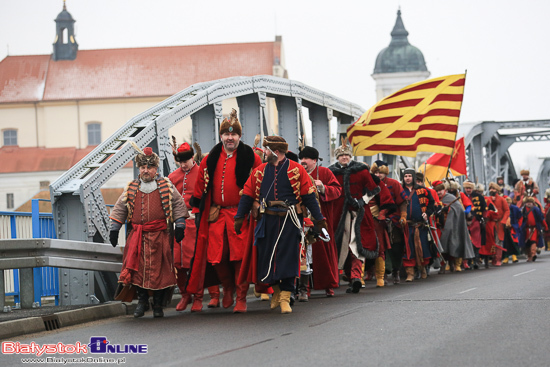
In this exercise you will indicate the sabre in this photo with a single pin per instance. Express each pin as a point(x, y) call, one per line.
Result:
point(437, 242)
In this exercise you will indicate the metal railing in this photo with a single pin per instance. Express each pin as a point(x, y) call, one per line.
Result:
point(15, 225)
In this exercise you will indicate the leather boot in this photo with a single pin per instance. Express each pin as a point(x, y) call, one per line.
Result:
point(379, 270)
point(275, 297)
point(498, 257)
point(197, 301)
point(225, 275)
point(240, 305)
point(458, 262)
point(423, 272)
point(143, 302)
point(395, 277)
point(214, 293)
point(242, 290)
point(486, 262)
point(158, 296)
point(506, 260)
point(264, 297)
point(302, 288)
point(410, 273)
point(285, 302)
point(514, 259)
point(185, 300)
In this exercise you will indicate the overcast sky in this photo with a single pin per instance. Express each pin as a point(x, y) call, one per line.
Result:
point(331, 45)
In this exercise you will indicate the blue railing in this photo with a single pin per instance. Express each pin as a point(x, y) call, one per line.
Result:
point(46, 279)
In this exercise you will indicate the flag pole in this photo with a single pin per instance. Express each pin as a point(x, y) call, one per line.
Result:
point(459, 111)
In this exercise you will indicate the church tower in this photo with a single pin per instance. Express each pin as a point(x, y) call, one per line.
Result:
point(399, 64)
point(64, 45)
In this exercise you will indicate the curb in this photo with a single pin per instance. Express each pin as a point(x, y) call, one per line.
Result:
point(61, 319)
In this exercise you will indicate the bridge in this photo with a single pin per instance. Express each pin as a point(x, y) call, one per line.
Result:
point(80, 213)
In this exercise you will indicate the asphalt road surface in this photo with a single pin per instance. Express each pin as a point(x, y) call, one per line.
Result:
point(486, 317)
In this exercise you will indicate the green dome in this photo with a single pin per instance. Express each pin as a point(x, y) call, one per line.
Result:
point(400, 55)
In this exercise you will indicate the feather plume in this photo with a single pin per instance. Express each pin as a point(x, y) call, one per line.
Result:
point(135, 146)
point(257, 140)
point(198, 152)
point(174, 145)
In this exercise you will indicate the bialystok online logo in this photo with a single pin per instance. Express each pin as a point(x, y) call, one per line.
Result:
point(97, 345)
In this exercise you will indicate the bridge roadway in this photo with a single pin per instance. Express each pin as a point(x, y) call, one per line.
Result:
point(493, 317)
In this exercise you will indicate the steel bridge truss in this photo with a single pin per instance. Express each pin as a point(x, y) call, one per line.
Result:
point(78, 206)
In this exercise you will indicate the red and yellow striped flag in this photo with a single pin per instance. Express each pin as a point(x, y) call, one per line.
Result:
point(422, 117)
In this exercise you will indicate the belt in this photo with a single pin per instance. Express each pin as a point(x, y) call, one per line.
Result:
point(273, 212)
point(227, 207)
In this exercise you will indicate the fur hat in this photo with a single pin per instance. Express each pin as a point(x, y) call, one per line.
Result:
point(468, 184)
point(494, 185)
point(147, 158)
point(547, 194)
point(529, 199)
point(275, 142)
point(452, 185)
point(345, 148)
point(374, 168)
point(508, 199)
point(480, 187)
point(309, 152)
point(439, 185)
point(182, 153)
point(420, 176)
point(382, 167)
point(231, 124)
point(292, 156)
point(524, 172)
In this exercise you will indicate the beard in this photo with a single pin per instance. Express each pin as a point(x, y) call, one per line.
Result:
point(492, 193)
point(146, 178)
point(272, 158)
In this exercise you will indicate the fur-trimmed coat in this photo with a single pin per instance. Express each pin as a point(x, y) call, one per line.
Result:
point(357, 181)
point(214, 171)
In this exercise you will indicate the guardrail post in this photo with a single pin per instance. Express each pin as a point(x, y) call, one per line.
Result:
point(27, 287)
point(37, 272)
point(2, 291)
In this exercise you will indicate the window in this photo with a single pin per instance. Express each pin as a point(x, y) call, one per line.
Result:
point(94, 133)
point(10, 137)
point(9, 201)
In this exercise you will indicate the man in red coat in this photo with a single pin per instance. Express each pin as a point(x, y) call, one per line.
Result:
point(324, 256)
point(355, 234)
point(184, 179)
point(497, 216)
point(219, 249)
point(396, 248)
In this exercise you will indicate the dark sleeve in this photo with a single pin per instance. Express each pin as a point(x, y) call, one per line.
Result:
point(311, 203)
point(430, 209)
point(245, 204)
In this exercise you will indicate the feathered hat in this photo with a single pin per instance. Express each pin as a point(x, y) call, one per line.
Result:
point(258, 151)
point(345, 148)
point(145, 157)
point(231, 124)
point(182, 153)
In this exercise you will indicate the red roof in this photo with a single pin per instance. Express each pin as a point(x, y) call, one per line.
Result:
point(15, 159)
point(131, 72)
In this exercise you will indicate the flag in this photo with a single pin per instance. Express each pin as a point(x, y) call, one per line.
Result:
point(422, 117)
point(436, 166)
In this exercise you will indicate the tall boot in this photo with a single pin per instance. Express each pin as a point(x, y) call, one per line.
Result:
point(197, 301)
point(158, 297)
point(214, 292)
point(285, 302)
point(486, 261)
point(143, 302)
point(514, 259)
point(242, 290)
point(395, 276)
point(275, 297)
point(410, 273)
point(226, 277)
point(302, 288)
point(498, 257)
point(423, 272)
point(181, 279)
point(380, 270)
point(458, 262)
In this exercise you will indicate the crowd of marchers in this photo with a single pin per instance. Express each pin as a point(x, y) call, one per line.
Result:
point(265, 216)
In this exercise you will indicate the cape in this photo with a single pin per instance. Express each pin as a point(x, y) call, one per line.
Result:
point(455, 239)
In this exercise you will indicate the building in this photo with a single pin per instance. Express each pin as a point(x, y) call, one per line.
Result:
point(76, 98)
point(399, 64)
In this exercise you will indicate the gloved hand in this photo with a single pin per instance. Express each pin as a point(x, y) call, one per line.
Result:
point(113, 237)
point(238, 225)
point(403, 219)
point(320, 225)
point(382, 214)
point(179, 234)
